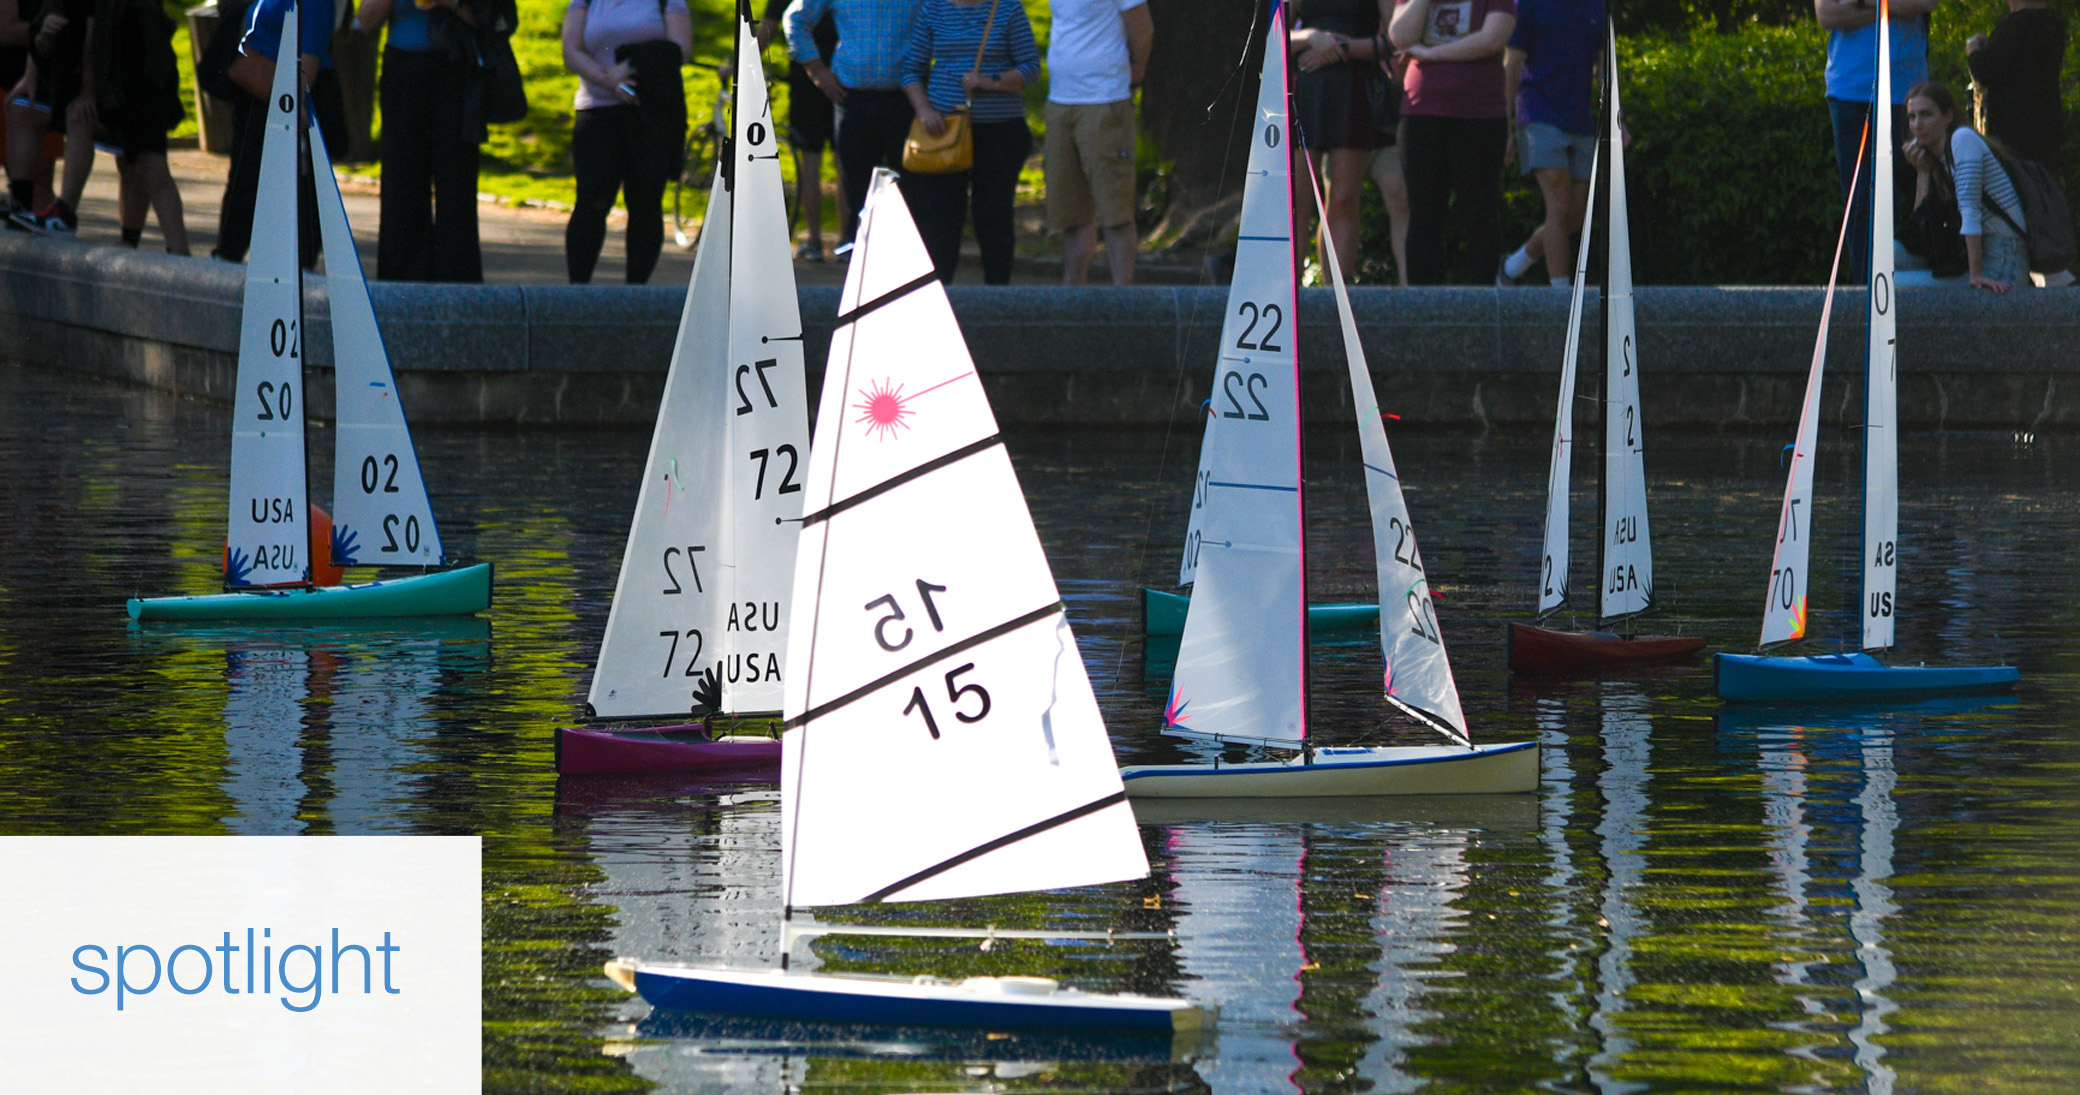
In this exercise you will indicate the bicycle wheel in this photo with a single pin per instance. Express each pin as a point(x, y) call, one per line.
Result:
point(688, 190)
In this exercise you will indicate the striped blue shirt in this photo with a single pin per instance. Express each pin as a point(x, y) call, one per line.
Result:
point(942, 50)
point(871, 36)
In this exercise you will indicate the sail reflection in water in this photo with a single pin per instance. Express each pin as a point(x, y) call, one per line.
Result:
point(325, 727)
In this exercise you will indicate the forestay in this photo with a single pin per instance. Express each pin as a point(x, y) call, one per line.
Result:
point(1784, 612)
point(1418, 676)
point(1881, 382)
point(1241, 665)
point(1553, 566)
point(1628, 556)
point(380, 513)
point(268, 542)
point(668, 602)
point(768, 426)
point(942, 739)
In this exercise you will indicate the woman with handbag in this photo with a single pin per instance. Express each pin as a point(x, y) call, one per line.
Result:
point(1950, 155)
point(432, 133)
point(1345, 104)
point(967, 62)
point(630, 131)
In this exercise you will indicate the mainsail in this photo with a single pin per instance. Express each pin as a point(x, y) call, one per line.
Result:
point(1553, 566)
point(1242, 663)
point(1628, 557)
point(380, 513)
point(1418, 676)
point(268, 542)
point(1881, 379)
point(942, 738)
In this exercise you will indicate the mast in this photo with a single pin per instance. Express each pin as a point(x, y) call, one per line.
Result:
point(1879, 544)
point(1285, 57)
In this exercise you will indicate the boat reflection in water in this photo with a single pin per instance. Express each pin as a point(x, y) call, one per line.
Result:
point(1828, 784)
point(325, 726)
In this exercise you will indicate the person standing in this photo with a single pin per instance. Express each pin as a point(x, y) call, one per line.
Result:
point(631, 123)
point(865, 81)
point(981, 54)
point(56, 78)
point(432, 129)
point(1337, 46)
point(1097, 54)
point(1852, 83)
point(811, 124)
point(1549, 75)
point(2016, 69)
point(253, 72)
point(137, 93)
point(1454, 130)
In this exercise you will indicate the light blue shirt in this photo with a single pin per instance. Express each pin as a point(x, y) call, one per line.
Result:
point(1852, 61)
point(872, 35)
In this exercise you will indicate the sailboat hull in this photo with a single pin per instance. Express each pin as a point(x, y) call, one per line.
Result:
point(1534, 649)
point(1509, 768)
point(1000, 1002)
point(1163, 614)
point(457, 592)
point(1751, 678)
point(687, 748)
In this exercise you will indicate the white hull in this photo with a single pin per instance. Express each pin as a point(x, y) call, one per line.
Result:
point(1508, 768)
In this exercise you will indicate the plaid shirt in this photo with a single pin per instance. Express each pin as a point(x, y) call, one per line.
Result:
point(871, 37)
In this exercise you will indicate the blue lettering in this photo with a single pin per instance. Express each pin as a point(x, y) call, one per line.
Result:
point(387, 950)
point(90, 969)
point(122, 973)
point(175, 982)
point(367, 964)
point(317, 983)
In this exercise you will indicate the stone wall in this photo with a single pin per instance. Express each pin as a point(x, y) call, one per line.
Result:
point(597, 354)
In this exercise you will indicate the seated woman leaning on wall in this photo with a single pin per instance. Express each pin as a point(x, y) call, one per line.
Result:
point(1951, 158)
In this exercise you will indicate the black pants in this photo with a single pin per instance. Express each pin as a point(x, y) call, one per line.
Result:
point(617, 149)
point(242, 180)
point(941, 202)
point(429, 201)
point(871, 128)
point(1453, 165)
point(1849, 121)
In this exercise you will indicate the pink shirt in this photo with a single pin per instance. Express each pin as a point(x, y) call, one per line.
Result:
point(611, 23)
point(1456, 89)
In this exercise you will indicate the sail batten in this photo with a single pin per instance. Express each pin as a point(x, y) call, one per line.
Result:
point(268, 539)
point(1881, 381)
point(922, 683)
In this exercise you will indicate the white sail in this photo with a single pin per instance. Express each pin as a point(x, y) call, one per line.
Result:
point(1241, 665)
point(269, 538)
point(1784, 610)
point(1628, 555)
point(1553, 565)
point(380, 514)
point(662, 631)
point(1881, 380)
point(1418, 676)
point(1260, 334)
point(942, 739)
point(768, 416)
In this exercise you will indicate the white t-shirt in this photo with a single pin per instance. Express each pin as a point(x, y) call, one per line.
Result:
point(1087, 58)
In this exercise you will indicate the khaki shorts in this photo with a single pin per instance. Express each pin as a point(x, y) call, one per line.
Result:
point(1090, 164)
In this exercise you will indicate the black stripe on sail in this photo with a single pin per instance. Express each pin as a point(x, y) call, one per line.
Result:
point(968, 643)
point(894, 481)
point(890, 297)
point(1433, 721)
point(1004, 841)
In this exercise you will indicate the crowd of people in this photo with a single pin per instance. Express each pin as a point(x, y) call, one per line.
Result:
point(1431, 101)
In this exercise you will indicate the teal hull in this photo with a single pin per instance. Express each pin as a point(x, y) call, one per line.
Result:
point(1746, 678)
point(457, 592)
point(1163, 614)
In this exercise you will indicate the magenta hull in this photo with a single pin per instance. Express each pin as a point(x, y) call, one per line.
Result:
point(657, 749)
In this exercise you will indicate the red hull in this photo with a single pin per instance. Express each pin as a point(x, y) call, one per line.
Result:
point(1534, 649)
point(657, 749)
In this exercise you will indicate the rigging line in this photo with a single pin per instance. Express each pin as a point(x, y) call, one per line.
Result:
point(894, 481)
point(967, 644)
point(1005, 841)
point(890, 297)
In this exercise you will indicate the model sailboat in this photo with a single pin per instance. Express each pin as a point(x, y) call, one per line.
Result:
point(1626, 562)
point(381, 516)
point(700, 615)
point(1242, 663)
point(942, 740)
point(1858, 676)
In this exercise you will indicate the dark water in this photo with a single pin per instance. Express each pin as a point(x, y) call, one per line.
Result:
point(1697, 899)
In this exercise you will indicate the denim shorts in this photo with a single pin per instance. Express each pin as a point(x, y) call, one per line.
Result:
point(1541, 145)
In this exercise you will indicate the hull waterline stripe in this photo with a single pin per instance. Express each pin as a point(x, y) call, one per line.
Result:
point(891, 483)
point(1004, 841)
point(968, 643)
point(890, 297)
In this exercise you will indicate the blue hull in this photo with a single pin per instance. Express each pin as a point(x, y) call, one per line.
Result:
point(838, 999)
point(1163, 614)
point(1750, 678)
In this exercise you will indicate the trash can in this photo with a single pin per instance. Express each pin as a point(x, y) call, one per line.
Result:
point(211, 113)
